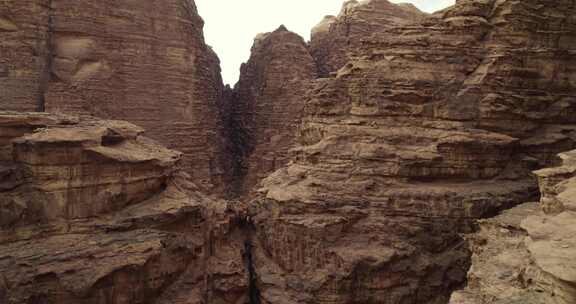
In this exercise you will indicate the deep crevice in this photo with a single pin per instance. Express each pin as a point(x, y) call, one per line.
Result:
point(46, 71)
point(253, 291)
point(239, 146)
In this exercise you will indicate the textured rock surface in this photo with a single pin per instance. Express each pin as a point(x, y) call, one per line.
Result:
point(92, 212)
point(334, 38)
point(527, 254)
point(502, 270)
point(141, 61)
point(89, 170)
point(422, 125)
point(267, 105)
point(552, 241)
point(428, 125)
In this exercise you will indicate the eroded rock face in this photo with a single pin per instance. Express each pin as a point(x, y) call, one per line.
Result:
point(429, 125)
point(422, 125)
point(140, 61)
point(527, 254)
point(552, 242)
point(335, 37)
point(267, 105)
point(502, 270)
point(92, 212)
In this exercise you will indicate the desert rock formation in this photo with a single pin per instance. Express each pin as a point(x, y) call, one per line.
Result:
point(141, 61)
point(336, 37)
point(429, 125)
point(267, 105)
point(388, 161)
point(93, 212)
point(527, 254)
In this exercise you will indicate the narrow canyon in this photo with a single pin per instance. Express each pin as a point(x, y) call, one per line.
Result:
point(398, 157)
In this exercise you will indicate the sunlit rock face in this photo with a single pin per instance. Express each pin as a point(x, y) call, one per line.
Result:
point(552, 233)
point(141, 61)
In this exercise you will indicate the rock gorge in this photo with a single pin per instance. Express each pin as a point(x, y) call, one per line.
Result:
point(392, 159)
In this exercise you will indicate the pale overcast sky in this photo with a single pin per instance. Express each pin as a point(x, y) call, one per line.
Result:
point(231, 25)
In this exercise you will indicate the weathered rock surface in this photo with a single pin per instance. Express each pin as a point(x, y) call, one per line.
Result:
point(267, 105)
point(527, 254)
point(502, 270)
point(92, 212)
point(422, 125)
point(141, 61)
point(336, 36)
point(428, 125)
point(552, 235)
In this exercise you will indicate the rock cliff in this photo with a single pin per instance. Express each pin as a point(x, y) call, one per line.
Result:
point(267, 105)
point(360, 163)
point(429, 125)
point(141, 61)
point(333, 39)
point(93, 212)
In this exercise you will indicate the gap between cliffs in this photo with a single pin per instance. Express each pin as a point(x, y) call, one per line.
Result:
point(46, 59)
point(253, 290)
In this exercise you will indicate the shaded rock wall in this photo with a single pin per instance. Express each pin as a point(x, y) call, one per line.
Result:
point(267, 105)
point(141, 61)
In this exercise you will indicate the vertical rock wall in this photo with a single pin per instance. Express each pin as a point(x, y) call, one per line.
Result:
point(421, 125)
point(141, 61)
point(426, 127)
point(24, 54)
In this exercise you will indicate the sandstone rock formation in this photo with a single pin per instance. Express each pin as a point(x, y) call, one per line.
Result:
point(428, 125)
point(420, 125)
point(552, 235)
point(527, 254)
point(335, 37)
point(502, 270)
point(267, 105)
point(92, 212)
point(141, 61)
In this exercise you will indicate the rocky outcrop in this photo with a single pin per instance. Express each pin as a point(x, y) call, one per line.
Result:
point(526, 255)
point(140, 61)
point(420, 126)
point(336, 37)
point(428, 126)
point(87, 170)
point(502, 271)
point(552, 235)
point(92, 212)
point(267, 105)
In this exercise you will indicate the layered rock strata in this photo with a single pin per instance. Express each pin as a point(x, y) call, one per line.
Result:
point(428, 126)
point(335, 37)
point(140, 61)
point(527, 254)
point(92, 212)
